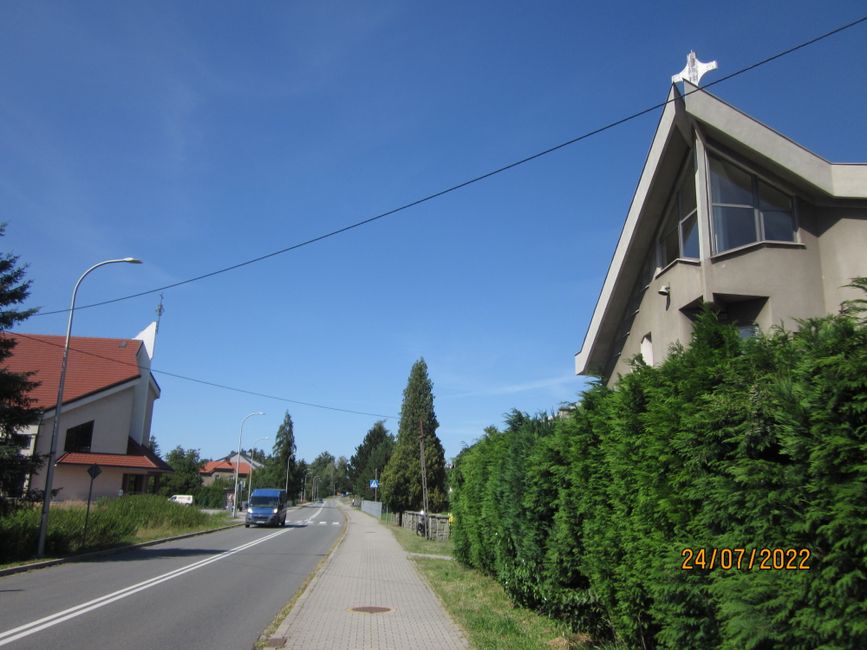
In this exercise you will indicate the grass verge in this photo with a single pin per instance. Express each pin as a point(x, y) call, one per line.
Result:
point(482, 608)
point(112, 523)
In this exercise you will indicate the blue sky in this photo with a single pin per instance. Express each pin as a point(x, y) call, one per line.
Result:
point(198, 135)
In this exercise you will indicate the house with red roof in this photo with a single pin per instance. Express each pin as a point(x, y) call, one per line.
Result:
point(108, 401)
point(224, 469)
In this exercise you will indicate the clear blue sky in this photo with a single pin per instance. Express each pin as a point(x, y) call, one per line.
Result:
point(196, 135)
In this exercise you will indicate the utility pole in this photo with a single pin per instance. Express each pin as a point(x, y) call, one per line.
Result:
point(424, 503)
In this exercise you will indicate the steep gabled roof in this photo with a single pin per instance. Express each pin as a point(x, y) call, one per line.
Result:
point(726, 126)
point(94, 365)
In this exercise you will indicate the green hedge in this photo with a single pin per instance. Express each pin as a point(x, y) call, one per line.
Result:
point(728, 444)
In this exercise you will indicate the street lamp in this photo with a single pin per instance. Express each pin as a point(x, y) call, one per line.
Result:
point(55, 428)
point(250, 478)
point(238, 464)
point(304, 489)
point(314, 494)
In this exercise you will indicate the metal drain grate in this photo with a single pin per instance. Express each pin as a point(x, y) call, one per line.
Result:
point(368, 609)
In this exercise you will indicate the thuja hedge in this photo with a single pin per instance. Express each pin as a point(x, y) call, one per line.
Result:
point(728, 444)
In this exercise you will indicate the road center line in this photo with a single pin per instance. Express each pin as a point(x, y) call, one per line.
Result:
point(54, 619)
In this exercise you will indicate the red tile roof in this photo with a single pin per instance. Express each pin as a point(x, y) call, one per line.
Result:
point(224, 466)
point(94, 364)
point(136, 457)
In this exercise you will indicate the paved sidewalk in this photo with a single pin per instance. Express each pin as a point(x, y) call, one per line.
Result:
point(369, 569)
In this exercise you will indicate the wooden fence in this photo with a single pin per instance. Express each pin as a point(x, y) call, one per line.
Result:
point(437, 528)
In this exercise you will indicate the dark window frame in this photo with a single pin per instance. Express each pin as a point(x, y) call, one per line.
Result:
point(676, 215)
point(757, 181)
point(76, 437)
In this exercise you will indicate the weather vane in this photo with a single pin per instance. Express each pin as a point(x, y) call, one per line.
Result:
point(694, 70)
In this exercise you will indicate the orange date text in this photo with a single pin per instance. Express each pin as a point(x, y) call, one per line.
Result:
point(762, 559)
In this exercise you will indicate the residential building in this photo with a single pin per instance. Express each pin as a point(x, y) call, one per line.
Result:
point(728, 212)
point(108, 400)
point(224, 469)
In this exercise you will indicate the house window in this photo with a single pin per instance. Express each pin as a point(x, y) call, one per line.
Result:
point(679, 236)
point(747, 330)
point(746, 209)
point(133, 483)
point(78, 438)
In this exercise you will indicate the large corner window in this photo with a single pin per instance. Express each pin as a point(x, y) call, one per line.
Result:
point(679, 237)
point(78, 438)
point(746, 209)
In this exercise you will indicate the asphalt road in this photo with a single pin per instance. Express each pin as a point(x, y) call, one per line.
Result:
point(216, 591)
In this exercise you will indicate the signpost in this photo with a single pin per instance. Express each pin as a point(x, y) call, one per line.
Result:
point(94, 471)
point(374, 485)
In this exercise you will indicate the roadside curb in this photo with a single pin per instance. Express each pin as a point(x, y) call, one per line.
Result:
point(107, 551)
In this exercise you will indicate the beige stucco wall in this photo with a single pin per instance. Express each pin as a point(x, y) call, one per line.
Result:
point(75, 482)
point(789, 276)
point(111, 415)
point(842, 247)
point(801, 280)
point(661, 316)
point(111, 422)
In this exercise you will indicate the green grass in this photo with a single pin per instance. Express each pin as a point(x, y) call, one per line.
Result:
point(481, 607)
point(112, 522)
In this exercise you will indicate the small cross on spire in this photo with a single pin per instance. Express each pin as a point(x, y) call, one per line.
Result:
point(694, 70)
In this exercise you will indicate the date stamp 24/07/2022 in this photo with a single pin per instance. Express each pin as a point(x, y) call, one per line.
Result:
point(763, 559)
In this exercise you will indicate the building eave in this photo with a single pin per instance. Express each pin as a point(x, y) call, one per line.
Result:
point(590, 360)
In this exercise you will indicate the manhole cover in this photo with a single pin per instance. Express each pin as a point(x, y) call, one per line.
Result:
point(371, 610)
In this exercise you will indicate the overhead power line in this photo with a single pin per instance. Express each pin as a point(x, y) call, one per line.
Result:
point(472, 181)
point(213, 384)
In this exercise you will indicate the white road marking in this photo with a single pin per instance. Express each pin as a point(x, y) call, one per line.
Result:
point(310, 519)
point(54, 619)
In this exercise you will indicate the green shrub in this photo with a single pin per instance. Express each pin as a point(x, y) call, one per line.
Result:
point(728, 444)
point(112, 522)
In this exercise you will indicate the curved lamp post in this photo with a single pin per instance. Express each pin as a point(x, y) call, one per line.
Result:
point(55, 428)
point(238, 464)
point(250, 478)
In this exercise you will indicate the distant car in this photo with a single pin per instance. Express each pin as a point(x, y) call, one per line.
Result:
point(183, 499)
point(267, 507)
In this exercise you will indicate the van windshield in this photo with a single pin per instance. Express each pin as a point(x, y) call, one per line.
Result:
point(264, 502)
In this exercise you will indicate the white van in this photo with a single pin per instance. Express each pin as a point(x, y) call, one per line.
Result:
point(183, 499)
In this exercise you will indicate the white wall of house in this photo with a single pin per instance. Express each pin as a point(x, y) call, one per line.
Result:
point(75, 482)
point(111, 412)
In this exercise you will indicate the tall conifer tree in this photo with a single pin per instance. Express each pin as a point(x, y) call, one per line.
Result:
point(370, 458)
point(16, 409)
point(401, 479)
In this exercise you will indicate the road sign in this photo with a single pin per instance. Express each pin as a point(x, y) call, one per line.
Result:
point(374, 484)
point(94, 471)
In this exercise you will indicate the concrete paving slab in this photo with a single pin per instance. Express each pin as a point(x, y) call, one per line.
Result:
point(369, 595)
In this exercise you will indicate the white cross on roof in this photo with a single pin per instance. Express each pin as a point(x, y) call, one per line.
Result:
point(694, 70)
